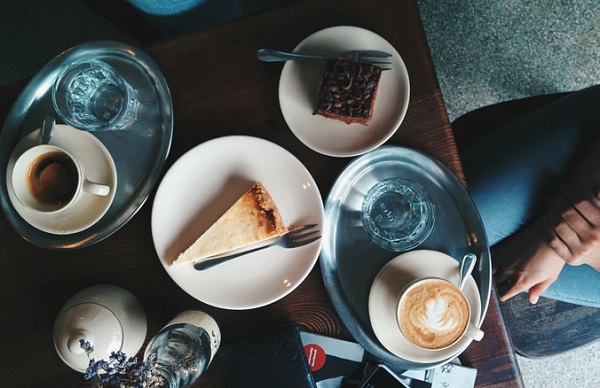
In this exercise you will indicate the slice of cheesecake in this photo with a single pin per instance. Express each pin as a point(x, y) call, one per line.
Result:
point(251, 219)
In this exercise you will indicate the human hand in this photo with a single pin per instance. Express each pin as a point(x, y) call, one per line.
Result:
point(575, 220)
point(525, 262)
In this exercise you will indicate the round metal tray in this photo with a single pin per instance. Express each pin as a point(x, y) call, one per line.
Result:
point(139, 151)
point(350, 261)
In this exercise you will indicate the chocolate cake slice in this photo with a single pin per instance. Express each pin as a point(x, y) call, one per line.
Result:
point(348, 91)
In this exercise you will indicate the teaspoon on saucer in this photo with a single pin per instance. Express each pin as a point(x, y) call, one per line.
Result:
point(47, 129)
point(466, 267)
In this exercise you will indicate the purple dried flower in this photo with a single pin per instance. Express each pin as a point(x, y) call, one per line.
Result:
point(118, 356)
point(92, 370)
point(86, 346)
point(120, 370)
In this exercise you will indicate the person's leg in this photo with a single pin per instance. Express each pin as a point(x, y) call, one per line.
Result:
point(512, 172)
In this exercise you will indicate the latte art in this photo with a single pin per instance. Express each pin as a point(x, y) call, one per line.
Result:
point(433, 314)
point(436, 316)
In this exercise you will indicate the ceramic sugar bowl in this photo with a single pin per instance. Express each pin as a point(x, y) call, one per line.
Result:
point(109, 317)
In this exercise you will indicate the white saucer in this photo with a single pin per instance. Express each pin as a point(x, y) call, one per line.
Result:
point(300, 81)
point(201, 186)
point(388, 284)
point(99, 167)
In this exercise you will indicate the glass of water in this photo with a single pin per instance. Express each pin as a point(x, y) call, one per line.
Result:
point(184, 348)
point(397, 214)
point(91, 95)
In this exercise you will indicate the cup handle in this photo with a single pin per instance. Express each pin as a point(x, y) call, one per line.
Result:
point(95, 188)
point(474, 333)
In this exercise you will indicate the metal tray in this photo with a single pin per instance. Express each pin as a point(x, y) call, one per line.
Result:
point(350, 260)
point(139, 152)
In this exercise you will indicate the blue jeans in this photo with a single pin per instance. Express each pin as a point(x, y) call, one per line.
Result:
point(512, 172)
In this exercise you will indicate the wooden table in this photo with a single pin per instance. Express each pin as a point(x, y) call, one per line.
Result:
point(215, 95)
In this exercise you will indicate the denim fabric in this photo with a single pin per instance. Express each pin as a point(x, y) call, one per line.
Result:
point(512, 172)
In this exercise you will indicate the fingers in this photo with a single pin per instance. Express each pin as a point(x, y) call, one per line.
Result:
point(511, 289)
point(534, 276)
point(581, 212)
point(509, 284)
point(508, 290)
point(538, 290)
point(510, 293)
point(576, 225)
point(565, 222)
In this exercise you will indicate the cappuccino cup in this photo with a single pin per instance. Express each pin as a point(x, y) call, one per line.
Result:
point(433, 314)
point(48, 179)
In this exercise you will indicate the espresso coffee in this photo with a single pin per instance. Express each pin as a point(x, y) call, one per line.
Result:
point(433, 314)
point(52, 178)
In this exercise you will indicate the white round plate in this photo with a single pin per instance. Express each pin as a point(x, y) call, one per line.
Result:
point(201, 186)
point(383, 298)
point(98, 166)
point(300, 81)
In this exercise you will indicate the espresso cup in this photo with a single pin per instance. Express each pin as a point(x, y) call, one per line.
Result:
point(433, 314)
point(48, 179)
point(91, 95)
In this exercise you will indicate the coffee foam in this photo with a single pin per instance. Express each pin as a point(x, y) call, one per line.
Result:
point(433, 314)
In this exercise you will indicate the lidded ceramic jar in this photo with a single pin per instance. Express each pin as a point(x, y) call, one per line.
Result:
point(109, 317)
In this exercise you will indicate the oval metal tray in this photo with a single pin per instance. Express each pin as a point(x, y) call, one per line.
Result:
point(350, 261)
point(139, 152)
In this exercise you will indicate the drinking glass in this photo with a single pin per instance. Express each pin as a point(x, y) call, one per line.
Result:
point(91, 95)
point(397, 214)
point(184, 348)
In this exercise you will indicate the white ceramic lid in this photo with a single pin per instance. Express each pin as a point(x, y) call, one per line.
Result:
point(108, 316)
point(92, 322)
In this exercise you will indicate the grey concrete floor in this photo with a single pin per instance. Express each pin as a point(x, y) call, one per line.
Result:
point(484, 51)
point(487, 51)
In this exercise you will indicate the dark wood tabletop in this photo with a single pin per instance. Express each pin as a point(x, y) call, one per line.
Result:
point(219, 88)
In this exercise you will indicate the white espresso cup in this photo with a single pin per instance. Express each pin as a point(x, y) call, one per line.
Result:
point(434, 314)
point(48, 179)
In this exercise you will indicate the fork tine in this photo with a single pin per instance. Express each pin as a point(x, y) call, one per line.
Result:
point(302, 228)
point(374, 53)
point(297, 237)
point(383, 63)
point(295, 244)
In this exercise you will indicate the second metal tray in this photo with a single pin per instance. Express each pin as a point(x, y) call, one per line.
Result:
point(350, 261)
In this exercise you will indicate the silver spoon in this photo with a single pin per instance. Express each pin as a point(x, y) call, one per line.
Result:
point(466, 267)
point(47, 129)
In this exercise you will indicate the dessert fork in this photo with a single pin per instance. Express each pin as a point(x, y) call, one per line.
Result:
point(296, 237)
point(373, 57)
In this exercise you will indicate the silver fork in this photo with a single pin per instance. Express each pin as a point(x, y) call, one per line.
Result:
point(296, 237)
point(373, 57)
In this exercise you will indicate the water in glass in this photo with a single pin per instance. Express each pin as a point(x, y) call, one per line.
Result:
point(397, 214)
point(183, 352)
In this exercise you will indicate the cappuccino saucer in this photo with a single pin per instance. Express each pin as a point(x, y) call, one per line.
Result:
point(99, 166)
point(383, 299)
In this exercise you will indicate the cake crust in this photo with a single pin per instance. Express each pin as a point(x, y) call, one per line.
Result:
point(348, 91)
point(254, 217)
